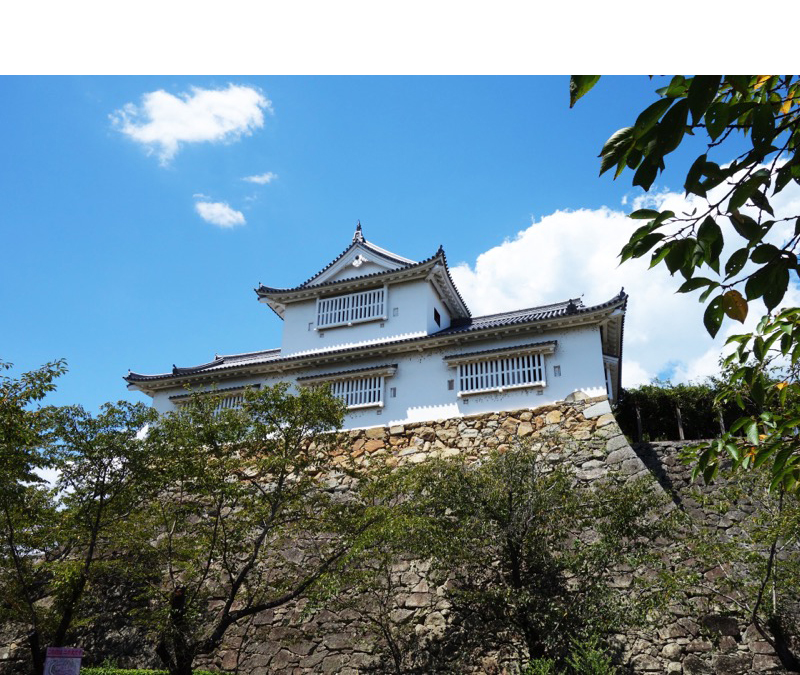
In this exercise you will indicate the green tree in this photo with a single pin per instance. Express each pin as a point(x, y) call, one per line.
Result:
point(24, 502)
point(55, 539)
point(247, 519)
point(531, 559)
point(764, 110)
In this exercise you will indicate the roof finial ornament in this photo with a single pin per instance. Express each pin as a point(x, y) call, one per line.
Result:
point(358, 236)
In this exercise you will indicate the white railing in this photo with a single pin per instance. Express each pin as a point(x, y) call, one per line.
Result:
point(351, 308)
point(359, 393)
point(501, 373)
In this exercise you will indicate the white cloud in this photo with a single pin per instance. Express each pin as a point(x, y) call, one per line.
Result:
point(163, 121)
point(262, 178)
point(569, 253)
point(220, 214)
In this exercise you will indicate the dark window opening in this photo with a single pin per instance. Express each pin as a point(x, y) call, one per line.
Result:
point(436, 317)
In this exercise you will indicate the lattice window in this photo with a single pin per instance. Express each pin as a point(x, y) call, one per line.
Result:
point(501, 373)
point(232, 402)
point(351, 308)
point(364, 392)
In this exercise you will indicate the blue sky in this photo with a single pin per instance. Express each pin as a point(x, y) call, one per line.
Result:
point(107, 261)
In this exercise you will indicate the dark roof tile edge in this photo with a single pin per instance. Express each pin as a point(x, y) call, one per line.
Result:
point(497, 350)
point(188, 394)
point(340, 373)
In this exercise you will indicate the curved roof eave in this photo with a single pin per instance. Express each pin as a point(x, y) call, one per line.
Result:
point(276, 298)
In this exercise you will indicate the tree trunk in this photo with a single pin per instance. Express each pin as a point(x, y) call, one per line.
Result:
point(638, 425)
point(174, 649)
point(680, 423)
point(782, 646)
point(37, 653)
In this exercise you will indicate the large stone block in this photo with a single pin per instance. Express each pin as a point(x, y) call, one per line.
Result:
point(597, 410)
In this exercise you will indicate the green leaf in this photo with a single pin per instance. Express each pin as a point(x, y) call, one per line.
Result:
point(757, 284)
point(717, 119)
point(641, 232)
point(644, 214)
point(692, 184)
point(616, 148)
point(759, 348)
point(745, 226)
point(757, 391)
point(743, 192)
point(645, 244)
point(709, 236)
point(664, 216)
point(739, 423)
point(786, 344)
point(712, 318)
point(702, 91)
point(735, 263)
point(764, 253)
point(763, 127)
point(735, 305)
point(645, 174)
point(784, 175)
point(580, 85)
point(740, 83)
point(672, 127)
point(650, 115)
point(693, 284)
point(677, 87)
point(778, 282)
point(761, 202)
point(680, 254)
point(704, 295)
point(633, 158)
point(658, 255)
point(751, 431)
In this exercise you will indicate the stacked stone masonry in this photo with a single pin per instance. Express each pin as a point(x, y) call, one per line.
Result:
point(288, 640)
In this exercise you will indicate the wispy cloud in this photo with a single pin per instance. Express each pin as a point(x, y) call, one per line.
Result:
point(262, 178)
point(219, 214)
point(164, 122)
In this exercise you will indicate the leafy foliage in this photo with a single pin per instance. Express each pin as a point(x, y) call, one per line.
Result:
point(528, 555)
point(244, 514)
point(657, 404)
point(756, 564)
point(23, 428)
point(765, 111)
point(53, 541)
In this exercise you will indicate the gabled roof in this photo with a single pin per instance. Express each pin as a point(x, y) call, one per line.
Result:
point(569, 312)
point(388, 259)
point(395, 268)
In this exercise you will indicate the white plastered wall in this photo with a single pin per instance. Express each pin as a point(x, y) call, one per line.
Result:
point(409, 313)
point(421, 380)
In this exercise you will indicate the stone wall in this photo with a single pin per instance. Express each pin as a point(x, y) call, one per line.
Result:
point(697, 639)
point(704, 636)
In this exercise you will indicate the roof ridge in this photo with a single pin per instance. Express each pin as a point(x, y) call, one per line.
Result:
point(526, 310)
point(259, 351)
point(358, 239)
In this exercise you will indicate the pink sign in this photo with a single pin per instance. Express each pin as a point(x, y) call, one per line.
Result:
point(63, 661)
